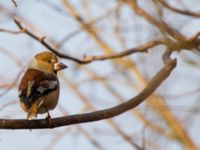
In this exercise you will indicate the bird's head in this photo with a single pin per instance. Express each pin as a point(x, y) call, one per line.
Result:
point(47, 62)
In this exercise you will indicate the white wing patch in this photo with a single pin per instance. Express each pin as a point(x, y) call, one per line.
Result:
point(51, 85)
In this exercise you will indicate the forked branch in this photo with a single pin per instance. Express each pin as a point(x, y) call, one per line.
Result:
point(169, 65)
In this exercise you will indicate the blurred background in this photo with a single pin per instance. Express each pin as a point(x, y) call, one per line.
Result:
point(169, 119)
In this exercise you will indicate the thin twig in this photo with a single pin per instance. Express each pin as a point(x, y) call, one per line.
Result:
point(12, 85)
point(10, 31)
point(161, 25)
point(14, 2)
point(89, 59)
point(177, 10)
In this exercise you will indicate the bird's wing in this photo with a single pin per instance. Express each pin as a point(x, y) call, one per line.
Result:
point(35, 84)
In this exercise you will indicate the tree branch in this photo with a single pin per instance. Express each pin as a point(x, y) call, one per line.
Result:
point(11, 32)
point(14, 3)
point(161, 25)
point(179, 11)
point(97, 115)
point(89, 59)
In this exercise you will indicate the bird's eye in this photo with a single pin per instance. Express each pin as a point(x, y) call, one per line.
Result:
point(51, 61)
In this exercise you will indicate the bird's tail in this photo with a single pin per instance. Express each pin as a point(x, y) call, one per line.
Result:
point(32, 113)
point(31, 116)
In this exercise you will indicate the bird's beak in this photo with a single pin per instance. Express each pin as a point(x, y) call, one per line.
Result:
point(59, 66)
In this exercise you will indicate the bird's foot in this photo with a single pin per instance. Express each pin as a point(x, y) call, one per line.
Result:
point(48, 118)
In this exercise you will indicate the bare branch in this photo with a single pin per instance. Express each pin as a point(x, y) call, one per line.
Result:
point(97, 115)
point(89, 59)
point(12, 85)
point(14, 2)
point(10, 31)
point(183, 12)
point(161, 25)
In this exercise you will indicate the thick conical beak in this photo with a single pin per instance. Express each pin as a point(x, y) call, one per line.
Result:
point(59, 66)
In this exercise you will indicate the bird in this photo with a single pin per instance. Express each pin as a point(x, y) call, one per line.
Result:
point(39, 87)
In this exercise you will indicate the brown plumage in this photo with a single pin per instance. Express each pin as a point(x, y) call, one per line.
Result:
point(39, 87)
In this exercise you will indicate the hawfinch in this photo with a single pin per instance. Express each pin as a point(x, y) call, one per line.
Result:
point(39, 87)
